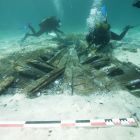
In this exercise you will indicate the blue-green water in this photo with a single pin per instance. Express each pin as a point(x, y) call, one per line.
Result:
point(15, 14)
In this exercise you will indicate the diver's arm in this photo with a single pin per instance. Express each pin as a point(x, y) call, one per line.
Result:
point(115, 36)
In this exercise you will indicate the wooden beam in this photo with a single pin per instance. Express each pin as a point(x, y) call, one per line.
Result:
point(5, 83)
point(42, 82)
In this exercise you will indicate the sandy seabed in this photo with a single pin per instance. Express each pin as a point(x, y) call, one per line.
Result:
point(119, 104)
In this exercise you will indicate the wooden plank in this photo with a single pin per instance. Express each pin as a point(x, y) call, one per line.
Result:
point(5, 83)
point(42, 82)
point(91, 59)
point(41, 66)
point(56, 59)
point(27, 72)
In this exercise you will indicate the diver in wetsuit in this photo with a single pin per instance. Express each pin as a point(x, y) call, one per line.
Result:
point(136, 3)
point(47, 25)
point(102, 35)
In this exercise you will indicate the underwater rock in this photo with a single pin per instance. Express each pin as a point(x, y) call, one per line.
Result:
point(134, 50)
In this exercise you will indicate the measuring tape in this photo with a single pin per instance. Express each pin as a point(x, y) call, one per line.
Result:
point(71, 123)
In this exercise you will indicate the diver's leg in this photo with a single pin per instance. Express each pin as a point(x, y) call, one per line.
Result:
point(32, 29)
point(26, 36)
point(39, 33)
point(35, 34)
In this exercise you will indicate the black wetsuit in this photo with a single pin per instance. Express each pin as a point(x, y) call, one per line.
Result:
point(102, 37)
point(49, 25)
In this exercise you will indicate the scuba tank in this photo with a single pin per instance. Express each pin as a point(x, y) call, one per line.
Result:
point(48, 22)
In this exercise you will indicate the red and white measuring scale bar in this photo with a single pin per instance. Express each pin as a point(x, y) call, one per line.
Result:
point(71, 123)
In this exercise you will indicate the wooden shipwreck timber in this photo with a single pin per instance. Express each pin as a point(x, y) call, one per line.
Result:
point(81, 71)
